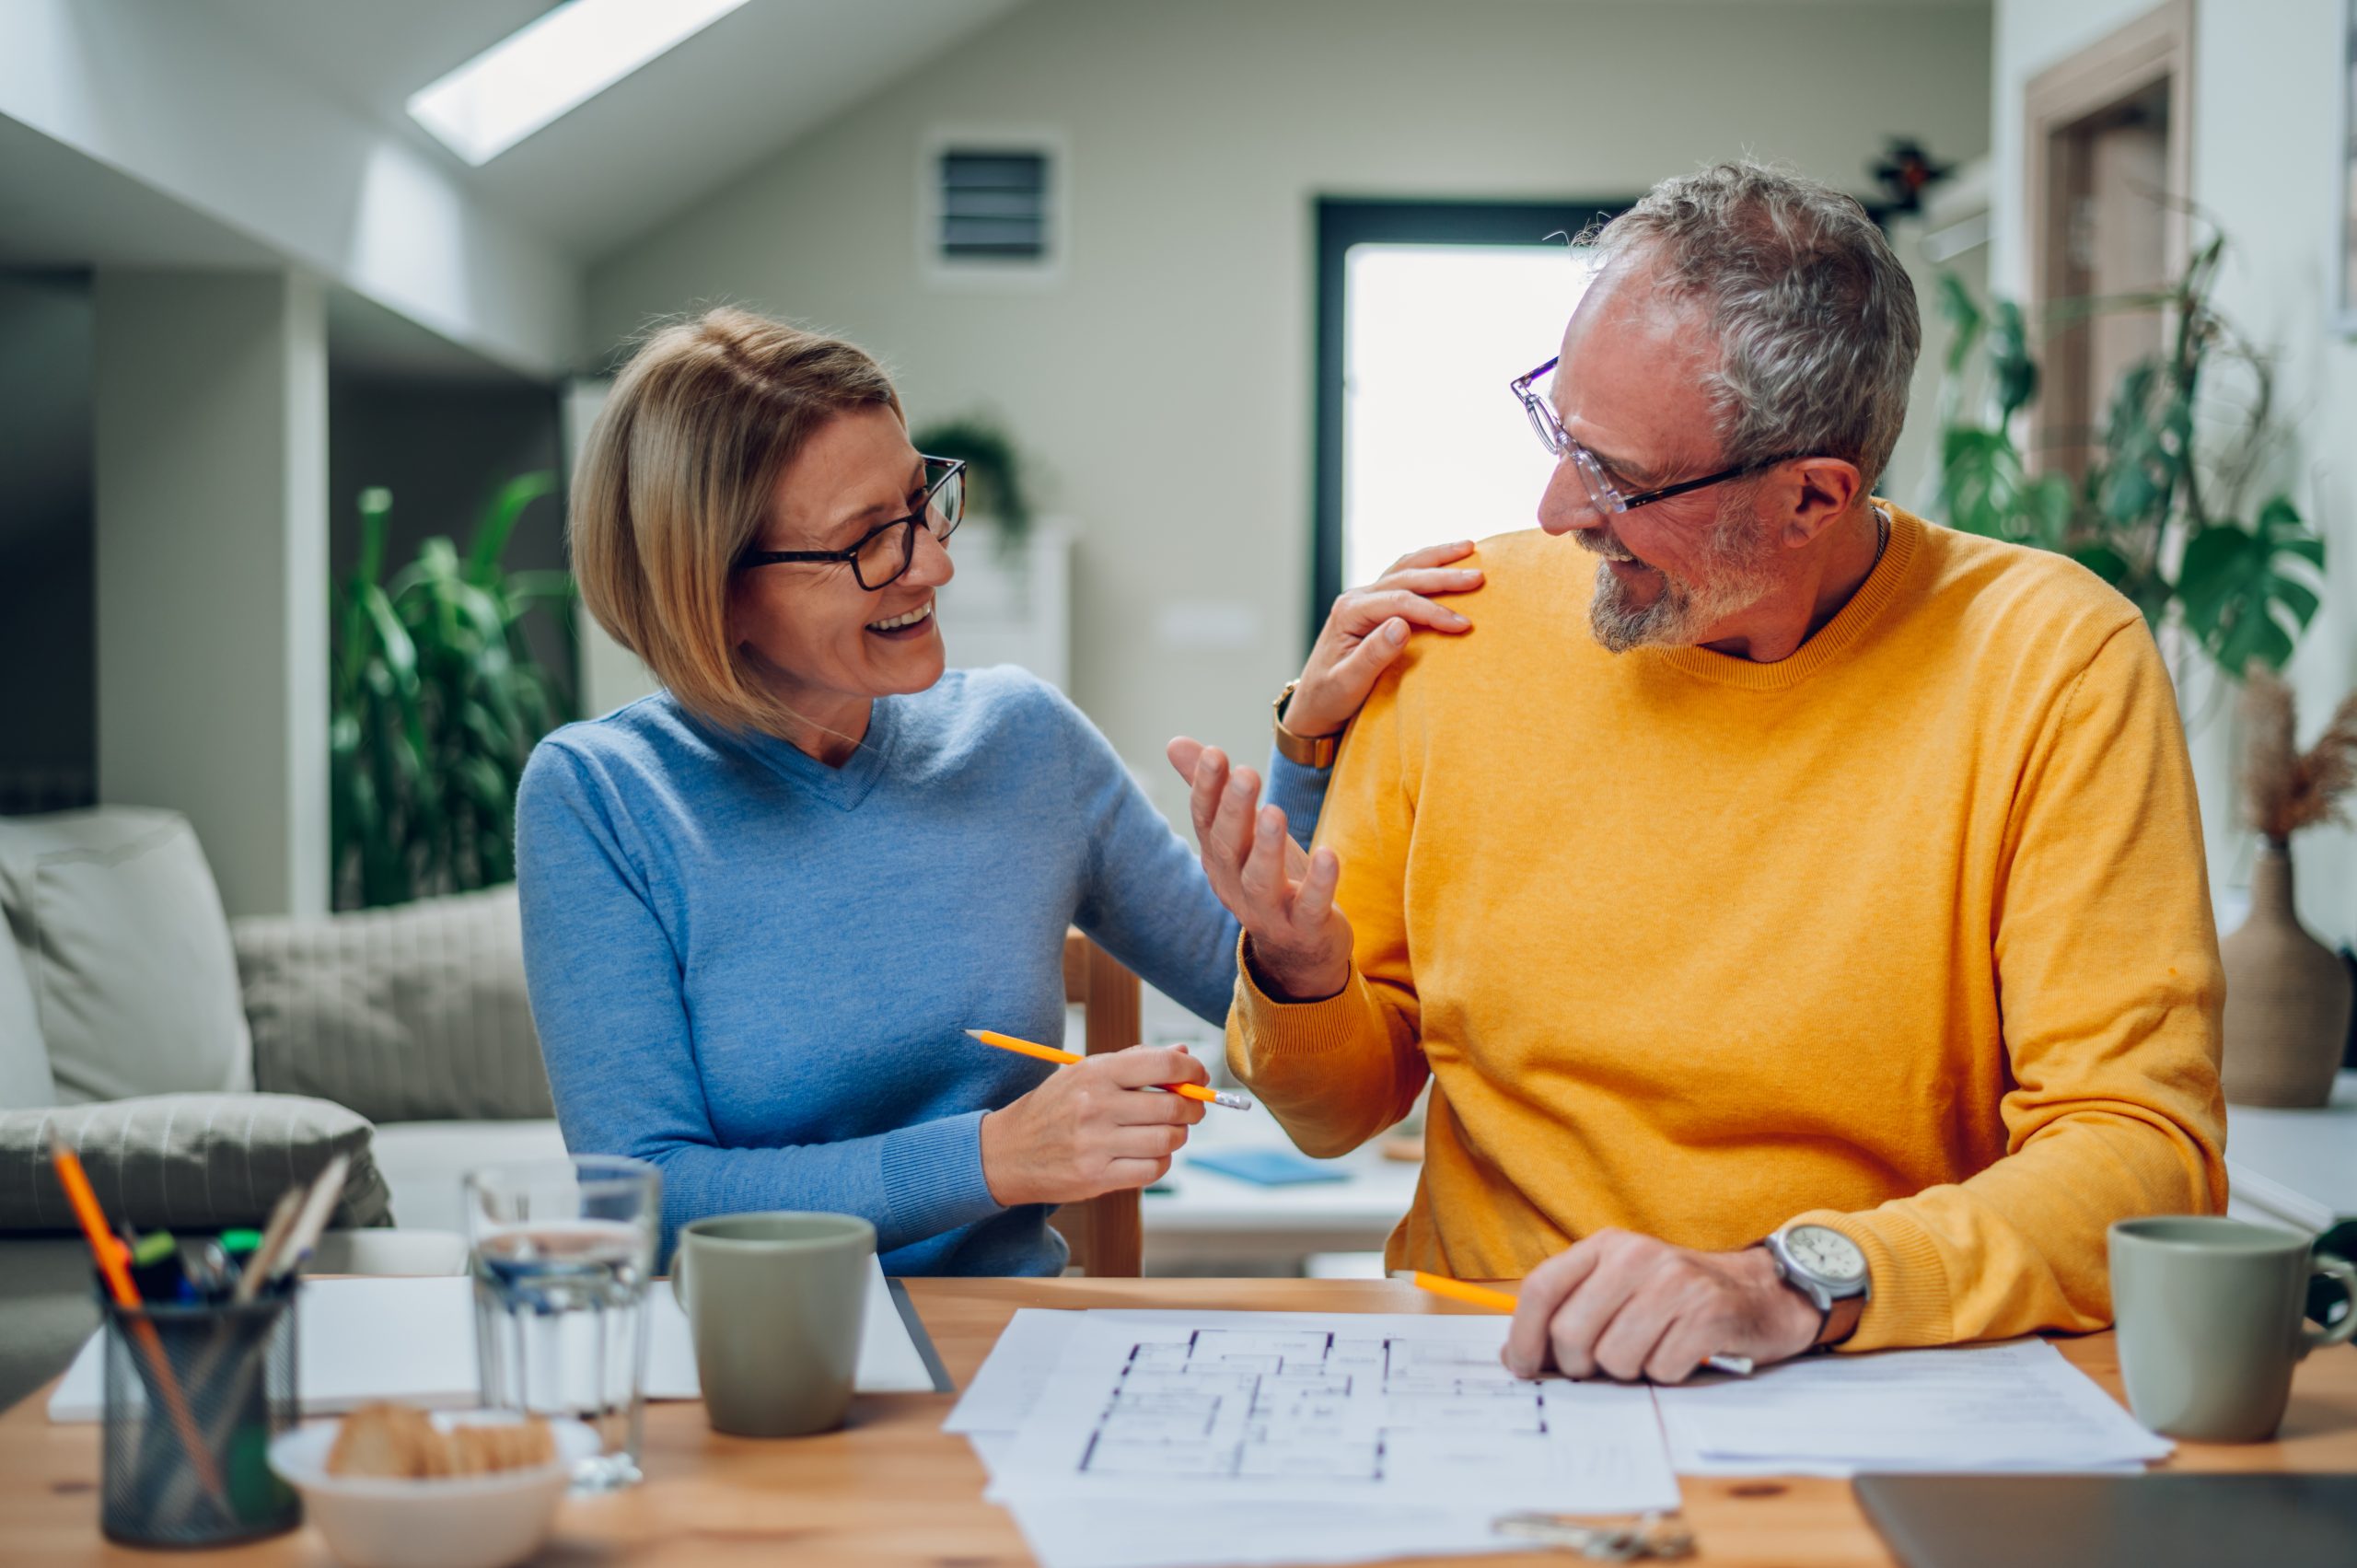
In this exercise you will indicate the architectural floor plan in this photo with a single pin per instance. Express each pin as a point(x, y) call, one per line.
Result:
point(1247, 1403)
point(1372, 1408)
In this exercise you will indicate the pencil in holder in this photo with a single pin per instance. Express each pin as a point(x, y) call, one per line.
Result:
point(193, 1394)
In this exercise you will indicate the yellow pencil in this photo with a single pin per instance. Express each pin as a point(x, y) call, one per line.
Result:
point(1457, 1290)
point(1050, 1054)
point(1505, 1301)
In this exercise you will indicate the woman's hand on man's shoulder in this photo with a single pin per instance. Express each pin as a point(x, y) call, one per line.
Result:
point(1367, 627)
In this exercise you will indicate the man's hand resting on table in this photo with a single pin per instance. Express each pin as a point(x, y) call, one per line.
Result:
point(1296, 941)
point(1618, 1304)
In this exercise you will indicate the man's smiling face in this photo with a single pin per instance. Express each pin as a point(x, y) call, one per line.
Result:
point(1631, 388)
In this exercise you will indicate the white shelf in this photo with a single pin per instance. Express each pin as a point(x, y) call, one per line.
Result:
point(1010, 607)
point(2295, 1167)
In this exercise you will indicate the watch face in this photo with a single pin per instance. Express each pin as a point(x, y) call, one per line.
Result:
point(1827, 1254)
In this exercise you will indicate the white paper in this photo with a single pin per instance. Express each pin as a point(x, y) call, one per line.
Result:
point(1063, 1534)
point(413, 1340)
point(2008, 1406)
point(1330, 1412)
point(1004, 1388)
point(993, 1448)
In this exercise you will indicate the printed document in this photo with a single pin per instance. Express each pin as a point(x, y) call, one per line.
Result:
point(2018, 1406)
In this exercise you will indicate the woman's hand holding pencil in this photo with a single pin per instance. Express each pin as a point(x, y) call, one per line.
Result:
point(1096, 1125)
point(1052, 1053)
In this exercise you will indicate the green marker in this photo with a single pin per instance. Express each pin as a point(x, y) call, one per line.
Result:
point(153, 1248)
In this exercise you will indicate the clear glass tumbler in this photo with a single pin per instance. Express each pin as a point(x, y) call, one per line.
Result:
point(562, 1250)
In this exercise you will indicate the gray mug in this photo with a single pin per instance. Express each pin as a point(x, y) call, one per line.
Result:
point(2211, 1314)
point(776, 1302)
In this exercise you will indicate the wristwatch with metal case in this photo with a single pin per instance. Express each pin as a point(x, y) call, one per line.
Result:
point(1829, 1269)
point(1307, 751)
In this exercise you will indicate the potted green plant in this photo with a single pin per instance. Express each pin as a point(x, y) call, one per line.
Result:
point(2164, 509)
point(437, 702)
point(994, 473)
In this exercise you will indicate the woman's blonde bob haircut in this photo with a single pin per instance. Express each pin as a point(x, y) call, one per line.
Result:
point(677, 478)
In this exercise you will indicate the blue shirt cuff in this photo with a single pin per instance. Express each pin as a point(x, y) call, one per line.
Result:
point(1300, 792)
point(932, 1179)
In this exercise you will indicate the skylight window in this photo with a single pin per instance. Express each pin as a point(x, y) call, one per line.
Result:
point(547, 69)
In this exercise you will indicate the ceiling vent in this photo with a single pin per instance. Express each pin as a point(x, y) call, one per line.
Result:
point(993, 208)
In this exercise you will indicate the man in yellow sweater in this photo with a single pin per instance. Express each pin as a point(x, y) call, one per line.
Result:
point(1812, 949)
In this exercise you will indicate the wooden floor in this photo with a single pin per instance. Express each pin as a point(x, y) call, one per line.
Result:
point(892, 1488)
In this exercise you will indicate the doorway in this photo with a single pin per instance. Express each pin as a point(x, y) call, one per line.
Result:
point(2109, 146)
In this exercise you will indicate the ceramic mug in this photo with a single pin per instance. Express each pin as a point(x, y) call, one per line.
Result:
point(2212, 1321)
point(776, 1302)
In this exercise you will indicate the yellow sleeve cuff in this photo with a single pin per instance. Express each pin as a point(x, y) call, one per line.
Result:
point(1909, 1303)
point(1295, 1028)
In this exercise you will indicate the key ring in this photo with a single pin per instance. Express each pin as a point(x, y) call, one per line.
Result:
point(1654, 1536)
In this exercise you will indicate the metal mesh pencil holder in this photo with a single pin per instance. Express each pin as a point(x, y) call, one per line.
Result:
point(193, 1394)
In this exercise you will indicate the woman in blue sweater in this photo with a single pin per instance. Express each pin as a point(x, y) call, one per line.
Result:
point(761, 907)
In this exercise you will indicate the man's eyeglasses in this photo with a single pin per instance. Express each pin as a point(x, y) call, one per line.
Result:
point(884, 553)
point(1602, 493)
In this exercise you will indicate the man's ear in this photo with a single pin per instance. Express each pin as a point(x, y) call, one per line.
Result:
point(1813, 492)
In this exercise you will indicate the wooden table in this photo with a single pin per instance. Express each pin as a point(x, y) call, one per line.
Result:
point(892, 1488)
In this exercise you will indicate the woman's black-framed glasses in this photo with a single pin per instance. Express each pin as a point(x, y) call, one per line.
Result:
point(1604, 495)
point(884, 553)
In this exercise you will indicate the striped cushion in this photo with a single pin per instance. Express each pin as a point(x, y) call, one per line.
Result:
point(185, 1162)
point(412, 1013)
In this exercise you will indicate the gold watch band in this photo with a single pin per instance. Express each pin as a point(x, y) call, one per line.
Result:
point(1304, 750)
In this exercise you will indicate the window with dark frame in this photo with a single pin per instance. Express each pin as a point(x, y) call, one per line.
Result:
point(1343, 222)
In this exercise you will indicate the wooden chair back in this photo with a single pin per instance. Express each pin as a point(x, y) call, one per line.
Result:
point(1105, 1234)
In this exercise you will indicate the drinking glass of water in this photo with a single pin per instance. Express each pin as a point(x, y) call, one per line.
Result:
point(561, 1251)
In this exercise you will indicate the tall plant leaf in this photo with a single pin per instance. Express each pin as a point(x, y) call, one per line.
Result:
point(437, 704)
point(2239, 599)
point(507, 505)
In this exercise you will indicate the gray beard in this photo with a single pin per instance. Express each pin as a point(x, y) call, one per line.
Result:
point(1735, 577)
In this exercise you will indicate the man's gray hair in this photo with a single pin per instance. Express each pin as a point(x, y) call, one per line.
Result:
point(1814, 317)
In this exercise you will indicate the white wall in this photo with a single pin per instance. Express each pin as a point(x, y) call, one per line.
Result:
point(2266, 134)
point(211, 461)
point(153, 88)
point(1165, 385)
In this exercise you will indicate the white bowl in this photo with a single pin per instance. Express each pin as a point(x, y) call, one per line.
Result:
point(485, 1521)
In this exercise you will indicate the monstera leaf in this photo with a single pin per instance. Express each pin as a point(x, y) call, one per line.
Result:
point(2012, 372)
point(1986, 491)
point(2143, 495)
point(2238, 598)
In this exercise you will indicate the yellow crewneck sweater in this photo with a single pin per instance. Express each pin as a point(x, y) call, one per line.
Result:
point(1908, 934)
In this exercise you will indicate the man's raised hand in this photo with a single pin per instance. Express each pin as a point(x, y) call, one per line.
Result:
point(1297, 942)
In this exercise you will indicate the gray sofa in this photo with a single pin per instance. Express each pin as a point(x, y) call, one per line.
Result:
point(200, 1064)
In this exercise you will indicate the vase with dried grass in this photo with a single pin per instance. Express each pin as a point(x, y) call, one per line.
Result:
point(2288, 995)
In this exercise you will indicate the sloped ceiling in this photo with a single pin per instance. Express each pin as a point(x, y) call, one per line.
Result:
point(648, 146)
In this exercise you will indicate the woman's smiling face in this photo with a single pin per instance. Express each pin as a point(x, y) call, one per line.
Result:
point(824, 645)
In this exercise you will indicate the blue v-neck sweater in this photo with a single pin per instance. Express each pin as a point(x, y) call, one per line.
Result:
point(756, 971)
